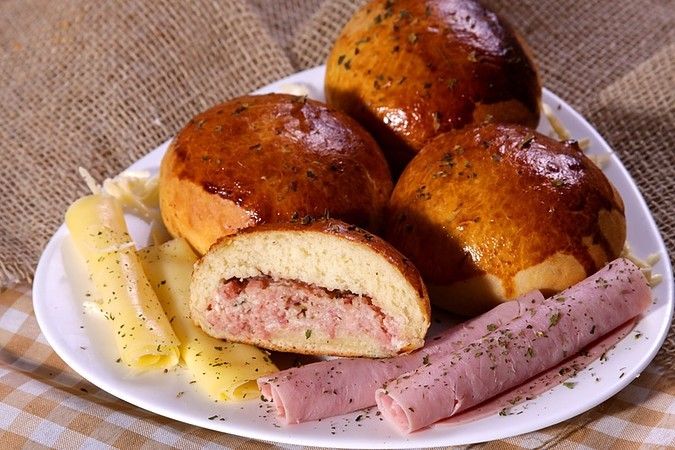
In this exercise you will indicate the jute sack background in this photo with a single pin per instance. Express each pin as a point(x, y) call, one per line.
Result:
point(98, 84)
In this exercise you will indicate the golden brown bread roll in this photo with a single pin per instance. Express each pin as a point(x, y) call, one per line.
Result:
point(269, 158)
point(493, 212)
point(409, 70)
point(325, 288)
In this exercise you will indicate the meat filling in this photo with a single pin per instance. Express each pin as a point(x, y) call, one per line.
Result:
point(261, 306)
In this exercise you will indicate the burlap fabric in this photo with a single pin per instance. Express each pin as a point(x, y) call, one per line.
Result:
point(98, 84)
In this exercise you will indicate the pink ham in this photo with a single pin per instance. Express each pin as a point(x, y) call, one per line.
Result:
point(339, 386)
point(503, 403)
point(259, 306)
point(529, 345)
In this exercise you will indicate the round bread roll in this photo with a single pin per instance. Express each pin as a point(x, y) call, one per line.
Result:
point(409, 70)
point(493, 212)
point(270, 158)
point(325, 288)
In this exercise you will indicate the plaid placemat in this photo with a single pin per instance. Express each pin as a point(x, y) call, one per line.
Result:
point(44, 402)
point(100, 83)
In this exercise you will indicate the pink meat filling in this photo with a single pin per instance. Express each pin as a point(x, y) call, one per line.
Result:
point(261, 306)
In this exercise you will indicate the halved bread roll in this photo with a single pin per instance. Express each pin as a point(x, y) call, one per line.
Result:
point(324, 288)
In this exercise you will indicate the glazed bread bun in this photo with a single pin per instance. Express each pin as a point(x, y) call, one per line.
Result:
point(325, 288)
point(409, 70)
point(269, 158)
point(493, 212)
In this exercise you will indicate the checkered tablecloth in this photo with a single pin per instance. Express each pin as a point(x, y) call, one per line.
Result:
point(45, 403)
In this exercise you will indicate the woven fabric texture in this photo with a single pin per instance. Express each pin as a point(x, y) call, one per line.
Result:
point(98, 84)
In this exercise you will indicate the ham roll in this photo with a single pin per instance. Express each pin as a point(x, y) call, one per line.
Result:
point(533, 343)
point(503, 403)
point(338, 386)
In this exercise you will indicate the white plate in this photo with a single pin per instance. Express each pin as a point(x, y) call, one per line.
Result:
point(84, 343)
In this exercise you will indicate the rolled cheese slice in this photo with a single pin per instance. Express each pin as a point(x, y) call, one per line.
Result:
point(142, 332)
point(224, 370)
point(320, 288)
point(559, 328)
point(338, 386)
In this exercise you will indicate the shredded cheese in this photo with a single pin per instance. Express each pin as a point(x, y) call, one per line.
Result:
point(563, 134)
point(299, 89)
point(599, 160)
point(93, 186)
point(584, 144)
point(136, 192)
point(556, 124)
point(646, 265)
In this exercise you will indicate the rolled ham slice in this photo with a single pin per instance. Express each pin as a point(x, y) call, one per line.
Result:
point(557, 329)
point(330, 388)
point(503, 403)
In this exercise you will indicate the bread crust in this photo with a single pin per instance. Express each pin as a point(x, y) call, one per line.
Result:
point(270, 158)
point(489, 213)
point(410, 70)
